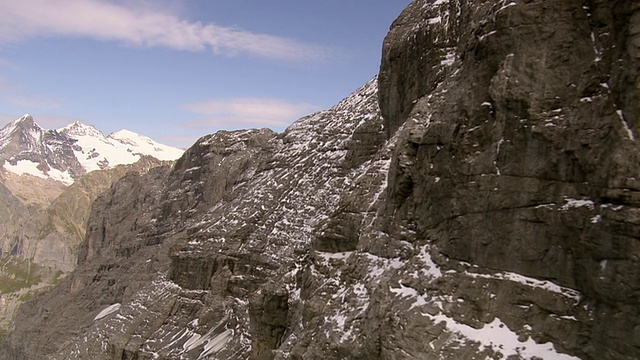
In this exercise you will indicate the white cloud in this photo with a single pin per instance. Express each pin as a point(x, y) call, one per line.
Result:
point(246, 112)
point(141, 26)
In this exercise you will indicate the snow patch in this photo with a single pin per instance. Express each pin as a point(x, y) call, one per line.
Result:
point(625, 124)
point(448, 59)
point(212, 343)
point(532, 282)
point(481, 38)
point(512, 3)
point(430, 267)
point(495, 162)
point(575, 203)
point(434, 20)
point(338, 255)
point(31, 168)
point(498, 337)
point(409, 292)
point(107, 311)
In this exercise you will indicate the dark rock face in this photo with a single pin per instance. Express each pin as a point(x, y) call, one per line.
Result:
point(269, 321)
point(413, 56)
point(491, 212)
point(523, 159)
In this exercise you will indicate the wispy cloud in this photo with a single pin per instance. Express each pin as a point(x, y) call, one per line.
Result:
point(141, 26)
point(246, 112)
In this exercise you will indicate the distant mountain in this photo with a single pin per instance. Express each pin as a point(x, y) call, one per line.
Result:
point(68, 153)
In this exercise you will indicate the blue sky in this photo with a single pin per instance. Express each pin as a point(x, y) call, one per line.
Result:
point(175, 70)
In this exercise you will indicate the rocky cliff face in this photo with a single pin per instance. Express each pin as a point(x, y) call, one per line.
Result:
point(487, 209)
point(43, 224)
point(523, 159)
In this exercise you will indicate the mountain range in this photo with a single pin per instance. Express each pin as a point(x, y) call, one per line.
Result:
point(477, 199)
point(68, 153)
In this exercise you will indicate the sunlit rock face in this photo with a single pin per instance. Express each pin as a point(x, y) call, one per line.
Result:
point(476, 200)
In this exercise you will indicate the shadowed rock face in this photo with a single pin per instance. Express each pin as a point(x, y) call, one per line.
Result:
point(488, 208)
point(522, 157)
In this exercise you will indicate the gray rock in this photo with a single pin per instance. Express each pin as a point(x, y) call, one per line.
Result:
point(495, 215)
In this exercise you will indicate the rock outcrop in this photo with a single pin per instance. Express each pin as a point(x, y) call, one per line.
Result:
point(477, 200)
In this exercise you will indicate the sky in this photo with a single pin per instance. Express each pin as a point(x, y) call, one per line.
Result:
point(175, 70)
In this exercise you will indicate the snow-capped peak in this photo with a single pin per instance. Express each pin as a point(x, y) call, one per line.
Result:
point(145, 145)
point(72, 150)
point(77, 128)
point(26, 120)
point(24, 128)
point(128, 137)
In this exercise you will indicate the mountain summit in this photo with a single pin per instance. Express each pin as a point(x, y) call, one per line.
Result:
point(68, 153)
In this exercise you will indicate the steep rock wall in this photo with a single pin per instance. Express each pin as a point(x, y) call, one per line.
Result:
point(189, 262)
point(524, 159)
point(490, 213)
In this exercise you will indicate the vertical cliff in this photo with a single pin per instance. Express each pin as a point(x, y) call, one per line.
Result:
point(519, 156)
point(477, 200)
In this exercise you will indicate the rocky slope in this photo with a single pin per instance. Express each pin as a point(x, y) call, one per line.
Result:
point(43, 224)
point(487, 209)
